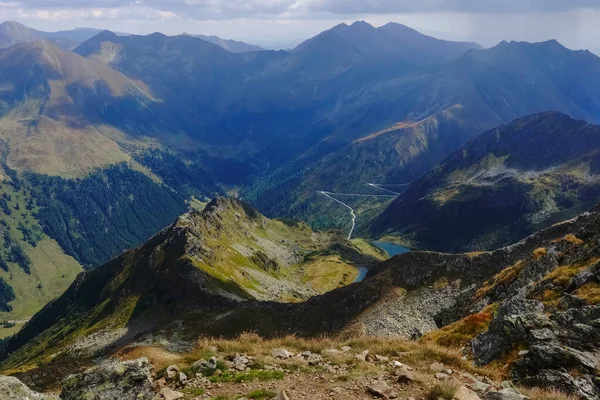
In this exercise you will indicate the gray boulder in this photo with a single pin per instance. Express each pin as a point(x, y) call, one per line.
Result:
point(131, 380)
point(515, 319)
point(556, 343)
point(13, 389)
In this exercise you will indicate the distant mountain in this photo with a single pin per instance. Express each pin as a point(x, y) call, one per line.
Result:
point(397, 41)
point(59, 100)
point(233, 46)
point(391, 157)
point(12, 33)
point(457, 100)
point(442, 48)
point(501, 186)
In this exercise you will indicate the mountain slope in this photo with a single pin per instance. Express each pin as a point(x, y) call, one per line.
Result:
point(234, 46)
point(155, 293)
point(48, 115)
point(395, 41)
point(392, 157)
point(490, 90)
point(446, 50)
point(226, 254)
point(12, 33)
point(501, 186)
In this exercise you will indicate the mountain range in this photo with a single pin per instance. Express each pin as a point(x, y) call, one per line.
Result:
point(12, 33)
point(457, 101)
point(177, 121)
point(392, 41)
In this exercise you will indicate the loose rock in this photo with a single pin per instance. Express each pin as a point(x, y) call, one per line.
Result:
point(130, 380)
point(437, 367)
point(281, 353)
point(170, 394)
point(465, 394)
point(13, 389)
point(381, 389)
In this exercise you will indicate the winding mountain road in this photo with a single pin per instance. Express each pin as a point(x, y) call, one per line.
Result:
point(380, 187)
point(348, 207)
point(352, 213)
point(360, 194)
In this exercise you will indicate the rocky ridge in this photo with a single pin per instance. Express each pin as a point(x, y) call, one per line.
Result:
point(520, 309)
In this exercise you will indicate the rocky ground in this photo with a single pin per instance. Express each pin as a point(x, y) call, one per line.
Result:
point(251, 368)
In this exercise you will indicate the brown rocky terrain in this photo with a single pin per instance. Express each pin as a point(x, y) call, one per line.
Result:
point(253, 368)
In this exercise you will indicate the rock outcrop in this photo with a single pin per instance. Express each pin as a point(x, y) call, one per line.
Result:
point(559, 340)
point(13, 389)
point(131, 380)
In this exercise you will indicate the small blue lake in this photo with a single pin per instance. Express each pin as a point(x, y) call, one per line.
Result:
point(362, 272)
point(390, 248)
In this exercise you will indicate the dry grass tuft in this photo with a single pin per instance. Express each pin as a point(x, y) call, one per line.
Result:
point(539, 253)
point(562, 276)
point(546, 394)
point(573, 239)
point(590, 293)
point(505, 363)
point(444, 390)
point(549, 297)
point(505, 277)
point(159, 357)
point(460, 333)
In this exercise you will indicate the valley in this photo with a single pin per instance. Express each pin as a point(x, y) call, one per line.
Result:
point(375, 213)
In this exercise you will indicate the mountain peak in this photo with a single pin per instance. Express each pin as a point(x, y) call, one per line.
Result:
point(13, 24)
point(339, 26)
point(104, 36)
point(398, 26)
point(362, 24)
point(552, 43)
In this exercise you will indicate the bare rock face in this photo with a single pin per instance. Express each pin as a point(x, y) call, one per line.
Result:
point(131, 380)
point(561, 342)
point(13, 389)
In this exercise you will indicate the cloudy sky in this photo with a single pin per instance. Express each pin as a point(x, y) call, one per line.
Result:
point(573, 22)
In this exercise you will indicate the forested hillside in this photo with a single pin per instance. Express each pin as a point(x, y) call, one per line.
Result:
point(101, 215)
